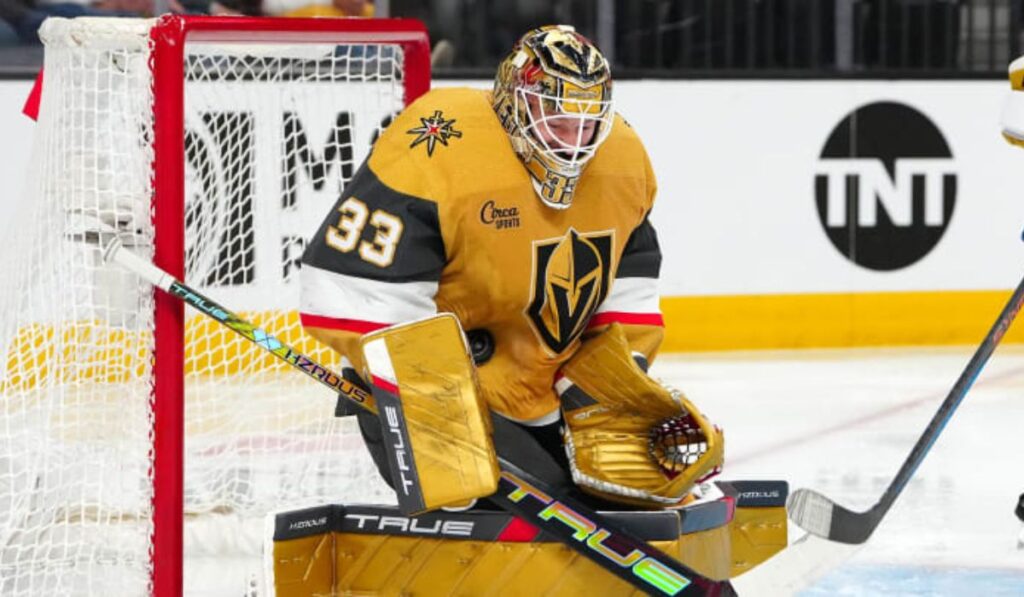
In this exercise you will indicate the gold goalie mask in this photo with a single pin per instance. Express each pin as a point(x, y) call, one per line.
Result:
point(553, 94)
point(627, 437)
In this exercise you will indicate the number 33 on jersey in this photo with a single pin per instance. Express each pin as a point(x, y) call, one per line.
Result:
point(347, 233)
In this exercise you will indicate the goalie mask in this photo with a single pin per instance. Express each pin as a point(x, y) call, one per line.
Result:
point(553, 97)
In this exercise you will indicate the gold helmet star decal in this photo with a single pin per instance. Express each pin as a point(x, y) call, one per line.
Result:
point(434, 130)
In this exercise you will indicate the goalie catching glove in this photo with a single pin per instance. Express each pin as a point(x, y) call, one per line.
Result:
point(628, 438)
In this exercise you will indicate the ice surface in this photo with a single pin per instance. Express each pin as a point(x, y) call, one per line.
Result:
point(842, 422)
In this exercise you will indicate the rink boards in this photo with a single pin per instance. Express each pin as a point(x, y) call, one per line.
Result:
point(795, 213)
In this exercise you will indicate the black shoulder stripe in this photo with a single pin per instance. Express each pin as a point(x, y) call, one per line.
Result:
point(642, 256)
point(418, 255)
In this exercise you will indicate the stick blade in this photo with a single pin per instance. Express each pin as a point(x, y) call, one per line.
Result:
point(824, 518)
point(811, 511)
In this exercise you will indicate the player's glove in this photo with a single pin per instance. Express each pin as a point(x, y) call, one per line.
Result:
point(627, 437)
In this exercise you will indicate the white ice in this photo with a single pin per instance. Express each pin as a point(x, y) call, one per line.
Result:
point(842, 422)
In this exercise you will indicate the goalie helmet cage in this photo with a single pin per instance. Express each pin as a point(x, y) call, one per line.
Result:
point(124, 419)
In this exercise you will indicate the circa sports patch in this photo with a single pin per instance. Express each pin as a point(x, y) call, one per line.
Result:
point(434, 130)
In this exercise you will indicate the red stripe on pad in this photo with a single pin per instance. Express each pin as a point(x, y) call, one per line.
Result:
point(384, 384)
point(332, 323)
point(518, 531)
point(607, 317)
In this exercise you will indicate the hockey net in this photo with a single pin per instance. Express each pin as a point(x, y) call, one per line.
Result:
point(214, 147)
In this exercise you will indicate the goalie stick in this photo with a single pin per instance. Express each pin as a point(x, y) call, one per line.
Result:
point(579, 527)
point(821, 516)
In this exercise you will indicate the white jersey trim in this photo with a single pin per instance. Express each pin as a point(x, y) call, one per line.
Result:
point(330, 294)
point(632, 295)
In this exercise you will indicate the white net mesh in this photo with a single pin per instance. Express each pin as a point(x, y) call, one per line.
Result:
point(273, 132)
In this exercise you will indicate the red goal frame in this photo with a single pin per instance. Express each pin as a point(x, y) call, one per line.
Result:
point(168, 37)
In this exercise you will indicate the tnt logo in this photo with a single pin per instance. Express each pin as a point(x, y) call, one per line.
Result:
point(885, 187)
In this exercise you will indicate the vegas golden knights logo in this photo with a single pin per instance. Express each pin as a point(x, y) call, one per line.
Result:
point(570, 281)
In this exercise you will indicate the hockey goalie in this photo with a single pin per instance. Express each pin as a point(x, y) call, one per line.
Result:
point(491, 274)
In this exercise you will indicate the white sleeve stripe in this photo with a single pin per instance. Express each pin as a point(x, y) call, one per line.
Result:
point(330, 294)
point(632, 295)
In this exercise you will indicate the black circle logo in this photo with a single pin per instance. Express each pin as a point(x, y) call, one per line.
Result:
point(885, 186)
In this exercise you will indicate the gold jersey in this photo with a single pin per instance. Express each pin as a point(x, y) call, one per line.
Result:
point(443, 217)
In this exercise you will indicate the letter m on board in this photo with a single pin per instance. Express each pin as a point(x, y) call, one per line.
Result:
point(317, 166)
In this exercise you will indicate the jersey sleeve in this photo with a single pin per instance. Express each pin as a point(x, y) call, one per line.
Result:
point(633, 300)
point(375, 261)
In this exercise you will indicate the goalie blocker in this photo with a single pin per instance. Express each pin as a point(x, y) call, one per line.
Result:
point(336, 549)
point(436, 429)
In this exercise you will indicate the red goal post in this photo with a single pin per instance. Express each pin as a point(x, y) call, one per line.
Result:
point(170, 36)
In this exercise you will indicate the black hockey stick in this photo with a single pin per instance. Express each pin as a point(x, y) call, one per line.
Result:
point(823, 517)
point(579, 527)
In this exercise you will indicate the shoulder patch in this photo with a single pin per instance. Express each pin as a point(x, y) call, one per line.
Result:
point(434, 130)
